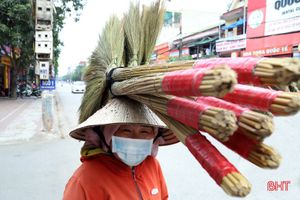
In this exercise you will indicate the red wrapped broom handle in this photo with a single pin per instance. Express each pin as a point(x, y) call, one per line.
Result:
point(186, 111)
point(183, 83)
point(209, 157)
point(242, 66)
point(253, 97)
point(212, 101)
point(241, 144)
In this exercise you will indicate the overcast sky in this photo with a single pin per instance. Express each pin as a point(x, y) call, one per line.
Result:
point(80, 38)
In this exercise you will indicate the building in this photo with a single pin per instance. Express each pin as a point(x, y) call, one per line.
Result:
point(5, 71)
point(273, 28)
point(187, 33)
point(233, 34)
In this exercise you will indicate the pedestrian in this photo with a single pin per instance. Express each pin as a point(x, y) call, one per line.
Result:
point(118, 156)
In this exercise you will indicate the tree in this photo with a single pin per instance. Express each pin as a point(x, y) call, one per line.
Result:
point(16, 36)
point(17, 33)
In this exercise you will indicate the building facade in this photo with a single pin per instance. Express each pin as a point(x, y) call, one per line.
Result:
point(273, 28)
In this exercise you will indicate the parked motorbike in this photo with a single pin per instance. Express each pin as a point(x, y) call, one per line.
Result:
point(36, 92)
point(26, 91)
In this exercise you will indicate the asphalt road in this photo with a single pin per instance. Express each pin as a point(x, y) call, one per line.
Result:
point(39, 169)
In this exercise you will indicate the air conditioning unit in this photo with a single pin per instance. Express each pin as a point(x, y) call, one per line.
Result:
point(44, 15)
point(43, 36)
point(43, 47)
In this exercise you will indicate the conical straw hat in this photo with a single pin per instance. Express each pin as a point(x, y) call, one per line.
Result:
point(123, 110)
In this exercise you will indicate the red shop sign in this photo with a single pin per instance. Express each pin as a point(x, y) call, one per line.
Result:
point(269, 51)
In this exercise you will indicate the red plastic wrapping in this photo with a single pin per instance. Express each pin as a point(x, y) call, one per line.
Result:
point(219, 103)
point(240, 144)
point(252, 97)
point(186, 111)
point(242, 66)
point(209, 157)
point(183, 83)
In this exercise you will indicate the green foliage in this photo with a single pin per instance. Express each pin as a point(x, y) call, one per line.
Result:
point(17, 26)
point(77, 75)
point(16, 35)
point(172, 59)
point(17, 32)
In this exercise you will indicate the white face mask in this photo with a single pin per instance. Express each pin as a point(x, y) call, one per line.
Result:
point(131, 151)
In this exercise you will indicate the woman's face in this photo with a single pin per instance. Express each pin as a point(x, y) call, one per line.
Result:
point(135, 131)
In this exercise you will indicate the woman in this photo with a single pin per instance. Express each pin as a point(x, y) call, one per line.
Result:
point(118, 158)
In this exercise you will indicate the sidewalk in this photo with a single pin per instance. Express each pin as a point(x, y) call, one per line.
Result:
point(21, 120)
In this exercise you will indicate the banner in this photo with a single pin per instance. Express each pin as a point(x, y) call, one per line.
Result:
point(271, 17)
point(276, 50)
point(282, 16)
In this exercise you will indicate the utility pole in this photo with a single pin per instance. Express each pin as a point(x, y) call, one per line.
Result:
point(180, 33)
point(44, 55)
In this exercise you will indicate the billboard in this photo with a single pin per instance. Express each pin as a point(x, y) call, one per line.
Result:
point(272, 23)
point(282, 16)
point(271, 17)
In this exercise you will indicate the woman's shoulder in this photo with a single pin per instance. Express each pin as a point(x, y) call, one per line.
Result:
point(90, 166)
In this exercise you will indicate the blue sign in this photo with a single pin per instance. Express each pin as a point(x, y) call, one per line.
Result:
point(47, 84)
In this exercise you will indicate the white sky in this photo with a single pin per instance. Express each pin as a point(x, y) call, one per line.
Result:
point(80, 38)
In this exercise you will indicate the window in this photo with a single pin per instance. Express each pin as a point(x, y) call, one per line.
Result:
point(48, 9)
point(239, 30)
point(46, 45)
point(230, 32)
point(39, 8)
point(177, 18)
point(168, 18)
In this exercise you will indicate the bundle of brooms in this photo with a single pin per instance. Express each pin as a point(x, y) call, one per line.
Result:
point(251, 123)
point(278, 72)
point(278, 103)
point(218, 122)
point(192, 82)
point(120, 66)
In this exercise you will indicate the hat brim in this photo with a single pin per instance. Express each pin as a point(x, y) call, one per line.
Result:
point(123, 110)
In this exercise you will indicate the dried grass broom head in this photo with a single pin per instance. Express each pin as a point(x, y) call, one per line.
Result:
point(107, 55)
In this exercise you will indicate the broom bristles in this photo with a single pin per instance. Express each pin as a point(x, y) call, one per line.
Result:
point(108, 54)
point(152, 25)
point(132, 28)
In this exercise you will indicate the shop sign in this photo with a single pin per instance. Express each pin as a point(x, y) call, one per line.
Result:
point(175, 53)
point(230, 45)
point(162, 46)
point(47, 84)
point(44, 70)
point(282, 16)
point(269, 51)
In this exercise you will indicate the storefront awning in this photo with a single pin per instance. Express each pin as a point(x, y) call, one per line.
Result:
point(233, 25)
point(203, 41)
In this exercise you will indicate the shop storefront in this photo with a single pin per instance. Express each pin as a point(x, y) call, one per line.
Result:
point(4, 75)
point(231, 47)
point(273, 28)
point(200, 44)
point(161, 53)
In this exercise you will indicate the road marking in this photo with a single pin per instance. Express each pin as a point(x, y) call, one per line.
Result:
point(12, 112)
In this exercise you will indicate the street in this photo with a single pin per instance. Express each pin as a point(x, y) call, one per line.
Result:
point(40, 168)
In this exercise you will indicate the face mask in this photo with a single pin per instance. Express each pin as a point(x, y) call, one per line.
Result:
point(131, 151)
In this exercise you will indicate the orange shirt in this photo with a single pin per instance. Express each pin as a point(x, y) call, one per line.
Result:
point(103, 177)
